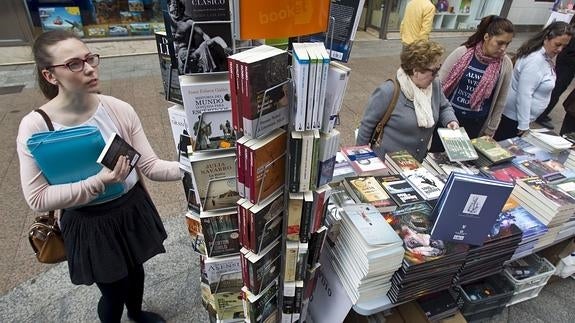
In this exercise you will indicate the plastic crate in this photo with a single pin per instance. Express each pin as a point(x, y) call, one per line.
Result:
point(481, 315)
point(487, 293)
point(543, 268)
point(525, 295)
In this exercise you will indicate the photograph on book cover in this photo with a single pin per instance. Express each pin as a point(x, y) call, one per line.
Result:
point(220, 193)
point(201, 32)
point(213, 130)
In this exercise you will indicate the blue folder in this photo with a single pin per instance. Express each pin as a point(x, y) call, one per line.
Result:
point(69, 155)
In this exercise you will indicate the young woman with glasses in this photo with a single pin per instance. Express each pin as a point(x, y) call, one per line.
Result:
point(420, 104)
point(475, 78)
point(533, 79)
point(106, 243)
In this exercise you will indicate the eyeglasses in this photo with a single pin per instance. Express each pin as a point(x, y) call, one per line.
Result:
point(77, 64)
point(434, 71)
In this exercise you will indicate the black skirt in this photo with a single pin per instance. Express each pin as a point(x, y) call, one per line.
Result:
point(104, 241)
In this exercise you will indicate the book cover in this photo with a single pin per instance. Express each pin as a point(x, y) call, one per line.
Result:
point(527, 222)
point(262, 308)
point(457, 144)
point(61, 18)
point(116, 147)
point(189, 192)
point(208, 110)
point(371, 225)
point(427, 185)
point(336, 86)
point(222, 274)
point(368, 190)
point(202, 34)
point(342, 167)
point(295, 210)
point(96, 31)
point(491, 149)
point(468, 208)
point(545, 171)
point(265, 97)
point(264, 267)
point(567, 186)
point(266, 221)
point(403, 160)
point(220, 229)
point(364, 161)
point(399, 190)
point(196, 233)
point(106, 11)
point(346, 14)
point(279, 19)
point(507, 172)
point(556, 198)
point(128, 17)
point(118, 30)
point(441, 162)
point(413, 224)
point(168, 68)
point(267, 165)
point(179, 126)
point(229, 306)
point(214, 178)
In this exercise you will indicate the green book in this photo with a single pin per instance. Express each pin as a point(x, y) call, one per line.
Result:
point(457, 144)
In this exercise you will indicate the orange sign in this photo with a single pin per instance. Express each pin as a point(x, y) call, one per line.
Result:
point(282, 18)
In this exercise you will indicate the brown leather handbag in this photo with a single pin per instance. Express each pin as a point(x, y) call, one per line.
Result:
point(46, 239)
point(44, 235)
point(375, 139)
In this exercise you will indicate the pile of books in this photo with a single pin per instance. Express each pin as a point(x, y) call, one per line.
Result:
point(440, 165)
point(548, 141)
point(429, 265)
point(367, 252)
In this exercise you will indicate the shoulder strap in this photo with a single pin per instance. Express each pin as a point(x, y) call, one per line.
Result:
point(378, 132)
point(46, 118)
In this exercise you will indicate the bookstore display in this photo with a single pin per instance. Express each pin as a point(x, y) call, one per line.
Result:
point(275, 205)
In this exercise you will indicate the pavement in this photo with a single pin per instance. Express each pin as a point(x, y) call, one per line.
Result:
point(33, 292)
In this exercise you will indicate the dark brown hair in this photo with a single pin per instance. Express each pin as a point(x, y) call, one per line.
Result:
point(43, 59)
point(554, 29)
point(493, 26)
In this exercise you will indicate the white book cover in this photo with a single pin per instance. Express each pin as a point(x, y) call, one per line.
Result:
point(337, 80)
point(207, 103)
point(323, 84)
point(311, 88)
point(301, 65)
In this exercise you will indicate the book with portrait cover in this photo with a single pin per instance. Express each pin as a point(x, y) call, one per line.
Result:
point(201, 32)
point(468, 208)
point(207, 103)
point(168, 68)
point(264, 223)
point(116, 147)
point(214, 178)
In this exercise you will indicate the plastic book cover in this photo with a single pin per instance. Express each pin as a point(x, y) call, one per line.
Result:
point(220, 230)
point(363, 160)
point(61, 18)
point(427, 185)
point(223, 274)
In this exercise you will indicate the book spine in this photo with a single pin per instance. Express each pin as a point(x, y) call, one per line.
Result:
point(233, 93)
point(295, 163)
point(254, 198)
point(301, 266)
point(290, 261)
point(310, 94)
point(306, 158)
point(314, 161)
point(295, 206)
point(305, 224)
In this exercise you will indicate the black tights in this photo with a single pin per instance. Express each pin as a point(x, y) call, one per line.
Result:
point(128, 290)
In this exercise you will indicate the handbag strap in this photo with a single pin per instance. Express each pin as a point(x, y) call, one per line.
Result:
point(51, 128)
point(46, 118)
point(378, 132)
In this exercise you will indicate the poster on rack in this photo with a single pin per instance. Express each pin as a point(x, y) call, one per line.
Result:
point(328, 293)
point(201, 33)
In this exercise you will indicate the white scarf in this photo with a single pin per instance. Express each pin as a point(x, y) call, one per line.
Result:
point(421, 99)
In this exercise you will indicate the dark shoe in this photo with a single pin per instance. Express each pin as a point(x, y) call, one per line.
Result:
point(147, 317)
point(546, 124)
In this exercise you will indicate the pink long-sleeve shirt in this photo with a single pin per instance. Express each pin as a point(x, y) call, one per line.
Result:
point(41, 196)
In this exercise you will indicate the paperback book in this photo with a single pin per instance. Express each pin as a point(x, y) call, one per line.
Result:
point(493, 151)
point(61, 18)
point(368, 190)
point(457, 144)
point(207, 103)
point(214, 179)
point(364, 161)
point(220, 229)
point(399, 190)
point(116, 147)
point(428, 186)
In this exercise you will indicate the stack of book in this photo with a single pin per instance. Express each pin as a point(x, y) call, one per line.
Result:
point(367, 252)
point(550, 205)
point(570, 161)
point(429, 265)
point(530, 226)
point(548, 141)
point(568, 227)
point(488, 259)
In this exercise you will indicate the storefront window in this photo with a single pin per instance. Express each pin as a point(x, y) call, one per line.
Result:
point(450, 14)
point(98, 18)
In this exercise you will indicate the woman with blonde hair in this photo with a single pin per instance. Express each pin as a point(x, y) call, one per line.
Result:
point(420, 104)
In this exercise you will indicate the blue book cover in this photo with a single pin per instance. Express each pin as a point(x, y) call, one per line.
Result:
point(326, 168)
point(519, 216)
point(468, 207)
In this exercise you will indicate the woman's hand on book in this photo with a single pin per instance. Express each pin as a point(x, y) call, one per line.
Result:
point(118, 174)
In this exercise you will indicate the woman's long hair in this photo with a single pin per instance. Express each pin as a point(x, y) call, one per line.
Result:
point(43, 58)
point(555, 29)
point(493, 26)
